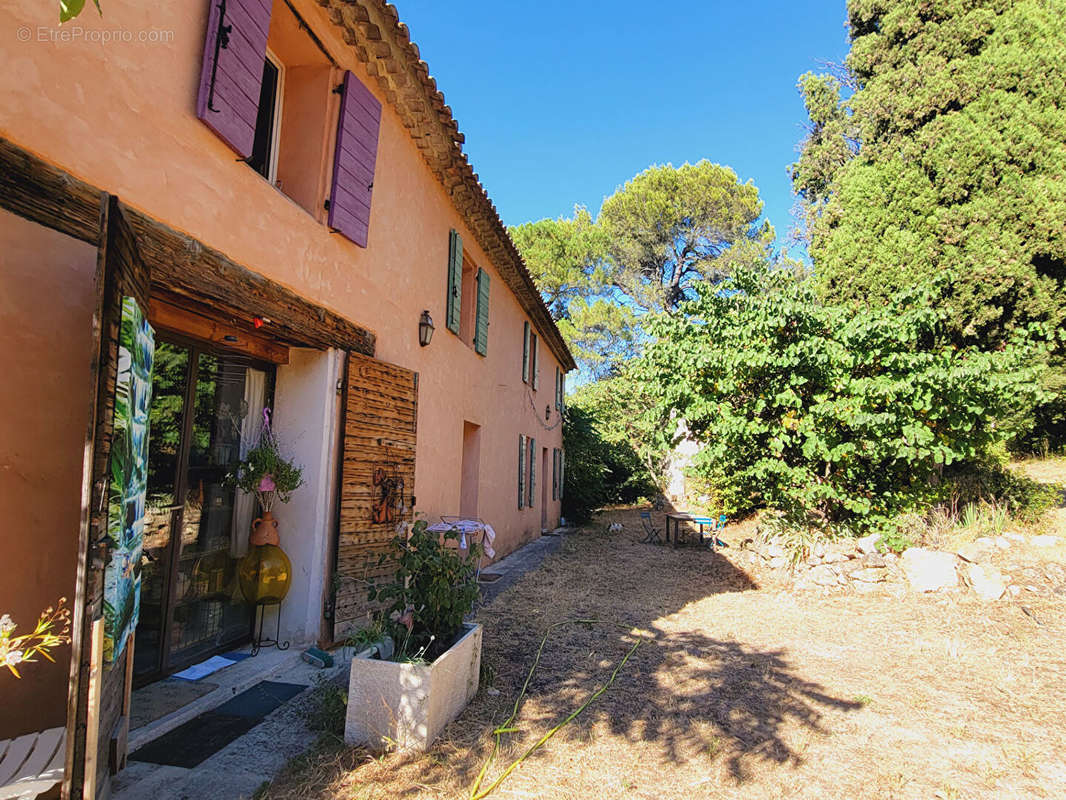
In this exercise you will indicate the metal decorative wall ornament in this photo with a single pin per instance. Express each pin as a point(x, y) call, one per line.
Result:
point(388, 497)
point(129, 478)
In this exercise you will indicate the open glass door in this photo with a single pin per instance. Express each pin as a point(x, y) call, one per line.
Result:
point(206, 414)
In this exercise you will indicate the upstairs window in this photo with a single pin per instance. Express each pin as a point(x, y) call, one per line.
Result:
point(530, 356)
point(270, 91)
point(468, 309)
point(264, 157)
point(467, 298)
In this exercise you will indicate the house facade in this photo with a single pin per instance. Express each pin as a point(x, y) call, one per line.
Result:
point(215, 214)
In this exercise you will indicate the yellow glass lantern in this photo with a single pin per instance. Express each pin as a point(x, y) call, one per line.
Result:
point(265, 574)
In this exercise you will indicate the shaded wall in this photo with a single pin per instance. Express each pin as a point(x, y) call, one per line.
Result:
point(47, 297)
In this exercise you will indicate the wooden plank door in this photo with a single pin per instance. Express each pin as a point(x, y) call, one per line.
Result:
point(99, 696)
point(377, 486)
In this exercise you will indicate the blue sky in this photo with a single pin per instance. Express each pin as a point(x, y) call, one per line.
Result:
point(562, 102)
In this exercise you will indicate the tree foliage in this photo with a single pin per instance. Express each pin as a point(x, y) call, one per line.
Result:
point(669, 228)
point(835, 413)
point(567, 259)
point(960, 109)
point(608, 459)
point(654, 238)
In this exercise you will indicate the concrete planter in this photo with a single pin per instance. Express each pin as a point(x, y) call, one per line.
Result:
point(405, 706)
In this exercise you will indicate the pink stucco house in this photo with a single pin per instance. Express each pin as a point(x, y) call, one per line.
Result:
point(280, 189)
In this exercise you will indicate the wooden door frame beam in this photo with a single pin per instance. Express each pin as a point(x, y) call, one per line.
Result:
point(180, 264)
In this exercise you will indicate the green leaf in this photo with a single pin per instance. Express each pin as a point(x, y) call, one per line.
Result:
point(69, 9)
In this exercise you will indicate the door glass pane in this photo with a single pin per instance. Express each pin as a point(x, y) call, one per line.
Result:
point(166, 419)
point(209, 611)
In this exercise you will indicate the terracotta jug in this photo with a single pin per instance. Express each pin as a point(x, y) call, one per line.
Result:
point(265, 530)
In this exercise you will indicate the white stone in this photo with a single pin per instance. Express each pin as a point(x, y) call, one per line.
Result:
point(778, 562)
point(1002, 542)
point(929, 570)
point(976, 551)
point(773, 550)
point(405, 705)
point(869, 575)
point(986, 581)
point(823, 576)
point(1014, 536)
point(868, 544)
point(1045, 540)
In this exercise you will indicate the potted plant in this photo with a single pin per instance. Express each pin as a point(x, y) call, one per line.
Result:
point(405, 702)
point(266, 572)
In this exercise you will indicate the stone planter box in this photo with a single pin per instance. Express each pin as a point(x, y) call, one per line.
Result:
point(405, 706)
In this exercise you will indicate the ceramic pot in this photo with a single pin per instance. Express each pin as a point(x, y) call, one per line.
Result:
point(265, 574)
point(265, 531)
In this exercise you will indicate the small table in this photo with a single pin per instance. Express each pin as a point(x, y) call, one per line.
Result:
point(679, 517)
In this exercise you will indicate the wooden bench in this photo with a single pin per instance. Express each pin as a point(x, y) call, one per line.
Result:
point(32, 764)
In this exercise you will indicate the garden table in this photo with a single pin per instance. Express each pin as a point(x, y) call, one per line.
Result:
point(679, 517)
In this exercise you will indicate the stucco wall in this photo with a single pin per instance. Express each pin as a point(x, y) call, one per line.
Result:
point(306, 421)
point(121, 115)
point(47, 296)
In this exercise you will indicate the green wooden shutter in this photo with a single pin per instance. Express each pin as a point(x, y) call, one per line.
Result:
point(556, 390)
point(562, 392)
point(455, 280)
point(525, 352)
point(535, 346)
point(555, 473)
point(481, 335)
point(532, 471)
point(562, 473)
point(521, 471)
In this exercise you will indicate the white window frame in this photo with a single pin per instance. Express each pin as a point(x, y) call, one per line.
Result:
point(275, 133)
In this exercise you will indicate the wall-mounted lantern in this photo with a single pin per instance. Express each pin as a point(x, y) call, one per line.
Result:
point(547, 413)
point(425, 329)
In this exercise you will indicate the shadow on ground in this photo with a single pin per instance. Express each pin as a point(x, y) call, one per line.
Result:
point(690, 691)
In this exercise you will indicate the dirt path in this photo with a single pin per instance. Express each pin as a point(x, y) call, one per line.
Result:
point(741, 692)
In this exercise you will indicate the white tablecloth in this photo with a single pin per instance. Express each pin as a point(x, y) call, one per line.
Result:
point(469, 526)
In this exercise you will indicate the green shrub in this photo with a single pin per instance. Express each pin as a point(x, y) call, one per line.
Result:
point(433, 589)
point(327, 706)
point(602, 465)
point(837, 415)
point(996, 486)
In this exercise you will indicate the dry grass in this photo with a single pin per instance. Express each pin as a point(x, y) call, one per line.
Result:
point(739, 691)
point(1045, 470)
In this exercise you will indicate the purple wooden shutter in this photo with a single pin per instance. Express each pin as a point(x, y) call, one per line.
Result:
point(353, 161)
point(232, 73)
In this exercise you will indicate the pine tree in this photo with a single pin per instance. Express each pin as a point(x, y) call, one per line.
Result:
point(950, 152)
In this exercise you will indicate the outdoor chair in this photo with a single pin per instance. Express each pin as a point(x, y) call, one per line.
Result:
point(651, 533)
point(32, 764)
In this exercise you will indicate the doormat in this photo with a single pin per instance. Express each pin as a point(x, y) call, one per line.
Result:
point(197, 740)
point(489, 577)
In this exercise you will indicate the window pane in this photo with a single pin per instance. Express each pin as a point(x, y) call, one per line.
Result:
point(208, 607)
point(263, 146)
